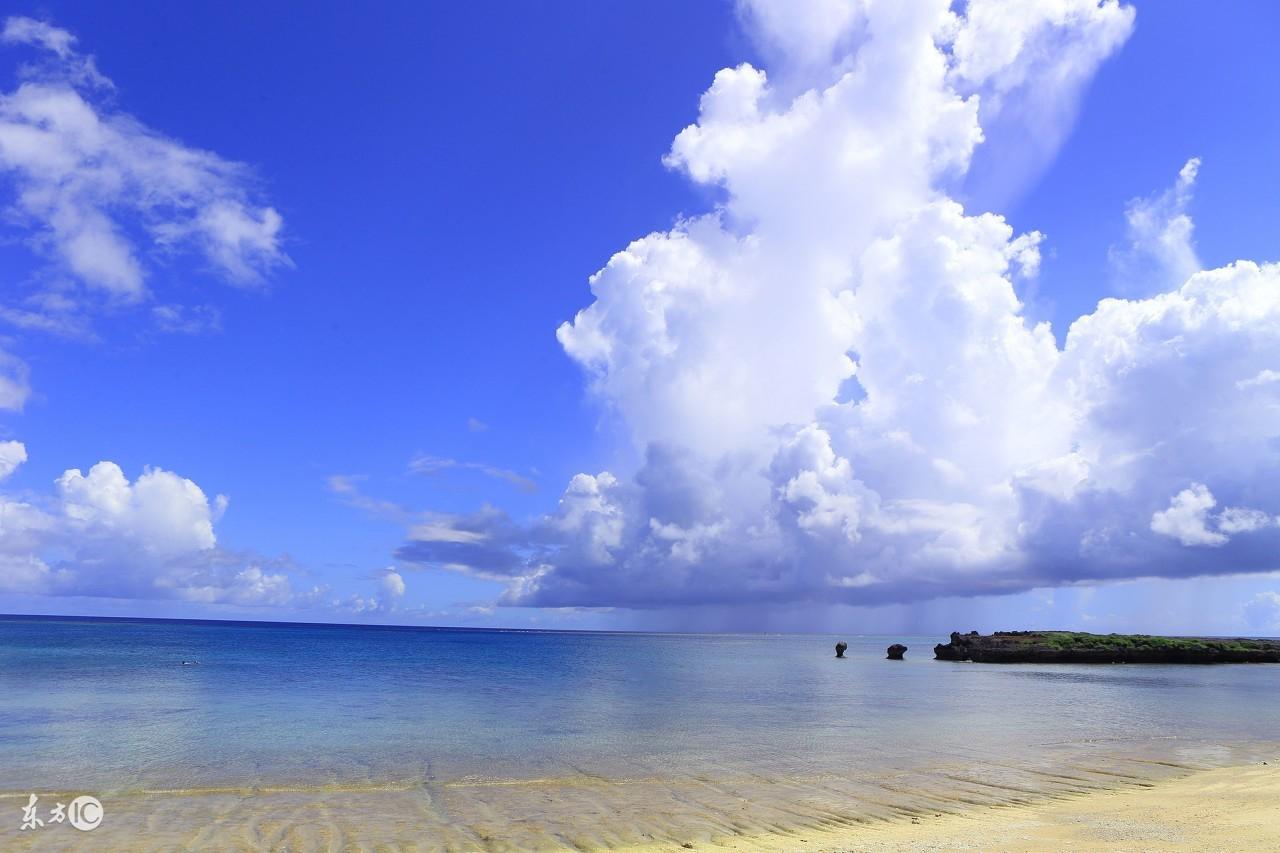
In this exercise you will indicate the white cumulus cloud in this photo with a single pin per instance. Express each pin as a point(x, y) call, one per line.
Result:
point(1187, 517)
point(88, 179)
point(101, 534)
point(1262, 612)
point(103, 202)
point(392, 584)
point(12, 454)
point(391, 588)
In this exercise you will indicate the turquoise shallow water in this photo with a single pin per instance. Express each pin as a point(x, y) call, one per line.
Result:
point(108, 707)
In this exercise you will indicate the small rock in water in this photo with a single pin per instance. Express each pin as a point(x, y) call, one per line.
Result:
point(896, 651)
point(840, 648)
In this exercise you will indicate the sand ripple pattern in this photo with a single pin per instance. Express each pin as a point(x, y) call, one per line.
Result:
point(581, 810)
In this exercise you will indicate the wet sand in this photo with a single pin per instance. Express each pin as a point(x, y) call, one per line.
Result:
point(1168, 808)
point(1227, 809)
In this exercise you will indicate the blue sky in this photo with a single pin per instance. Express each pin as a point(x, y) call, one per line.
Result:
point(448, 177)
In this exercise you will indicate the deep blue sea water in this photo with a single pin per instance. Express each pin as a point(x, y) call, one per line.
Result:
point(108, 706)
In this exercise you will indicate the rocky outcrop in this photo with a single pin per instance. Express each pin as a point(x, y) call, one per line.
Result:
point(896, 651)
point(1076, 647)
point(840, 648)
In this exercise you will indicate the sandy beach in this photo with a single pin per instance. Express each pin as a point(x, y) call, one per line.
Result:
point(1231, 808)
point(1225, 809)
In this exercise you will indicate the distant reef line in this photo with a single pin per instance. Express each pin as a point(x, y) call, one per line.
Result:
point(1079, 647)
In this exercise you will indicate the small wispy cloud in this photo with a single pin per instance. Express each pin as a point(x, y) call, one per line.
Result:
point(347, 489)
point(15, 385)
point(48, 315)
point(477, 425)
point(1264, 377)
point(1161, 249)
point(187, 319)
point(433, 465)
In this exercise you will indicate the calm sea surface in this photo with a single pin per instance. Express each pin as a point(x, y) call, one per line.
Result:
point(471, 721)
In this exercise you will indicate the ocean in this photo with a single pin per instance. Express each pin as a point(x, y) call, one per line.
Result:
point(310, 736)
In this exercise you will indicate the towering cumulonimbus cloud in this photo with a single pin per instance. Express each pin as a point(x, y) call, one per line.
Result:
point(830, 377)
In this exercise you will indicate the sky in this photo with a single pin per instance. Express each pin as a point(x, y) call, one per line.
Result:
point(857, 316)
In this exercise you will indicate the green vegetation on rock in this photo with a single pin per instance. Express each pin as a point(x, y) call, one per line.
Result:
point(1079, 647)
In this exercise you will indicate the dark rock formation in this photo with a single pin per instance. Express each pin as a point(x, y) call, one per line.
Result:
point(896, 651)
point(1076, 647)
point(840, 647)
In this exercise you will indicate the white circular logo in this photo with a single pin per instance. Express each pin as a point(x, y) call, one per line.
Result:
point(85, 813)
